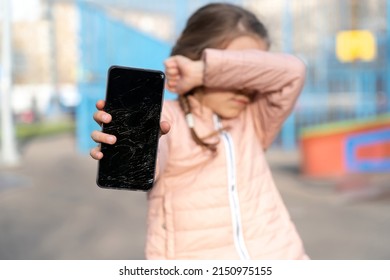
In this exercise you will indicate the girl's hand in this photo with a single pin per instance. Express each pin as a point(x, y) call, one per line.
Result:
point(99, 137)
point(183, 74)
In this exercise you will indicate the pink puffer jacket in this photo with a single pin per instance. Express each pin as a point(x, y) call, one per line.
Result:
point(225, 205)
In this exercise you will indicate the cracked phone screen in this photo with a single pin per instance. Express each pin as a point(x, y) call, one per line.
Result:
point(134, 100)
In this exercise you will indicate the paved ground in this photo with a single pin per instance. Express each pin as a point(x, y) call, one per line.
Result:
point(50, 208)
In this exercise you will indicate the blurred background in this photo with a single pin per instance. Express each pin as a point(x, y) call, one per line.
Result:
point(331, 160)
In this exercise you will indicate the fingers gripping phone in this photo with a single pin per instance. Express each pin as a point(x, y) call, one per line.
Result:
point(134, 100)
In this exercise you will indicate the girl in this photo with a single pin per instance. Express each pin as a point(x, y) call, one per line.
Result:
point(214, 196)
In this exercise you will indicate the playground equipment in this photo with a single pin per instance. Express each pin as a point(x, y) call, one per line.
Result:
point(346, 147)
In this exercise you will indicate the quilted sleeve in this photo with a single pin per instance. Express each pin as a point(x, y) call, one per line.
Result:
point(275, 80)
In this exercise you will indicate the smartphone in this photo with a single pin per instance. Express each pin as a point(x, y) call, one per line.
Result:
point(134, 100)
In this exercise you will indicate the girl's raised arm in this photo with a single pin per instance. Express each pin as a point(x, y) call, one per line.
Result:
point(276, 80)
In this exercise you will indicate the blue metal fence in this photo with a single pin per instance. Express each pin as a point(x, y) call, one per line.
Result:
point(105, 41)
point(333, 91)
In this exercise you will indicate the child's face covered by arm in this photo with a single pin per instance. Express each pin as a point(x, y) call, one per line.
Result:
point(229, 104)
point(184, 75)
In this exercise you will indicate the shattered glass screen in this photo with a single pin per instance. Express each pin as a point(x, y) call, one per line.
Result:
point(134, 100)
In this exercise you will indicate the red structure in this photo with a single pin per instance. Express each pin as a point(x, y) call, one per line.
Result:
point(347, 147)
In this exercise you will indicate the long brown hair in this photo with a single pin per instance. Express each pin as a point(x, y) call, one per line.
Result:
point(214, 26)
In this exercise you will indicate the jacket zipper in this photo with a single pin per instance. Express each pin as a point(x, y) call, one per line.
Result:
point(233, 197)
